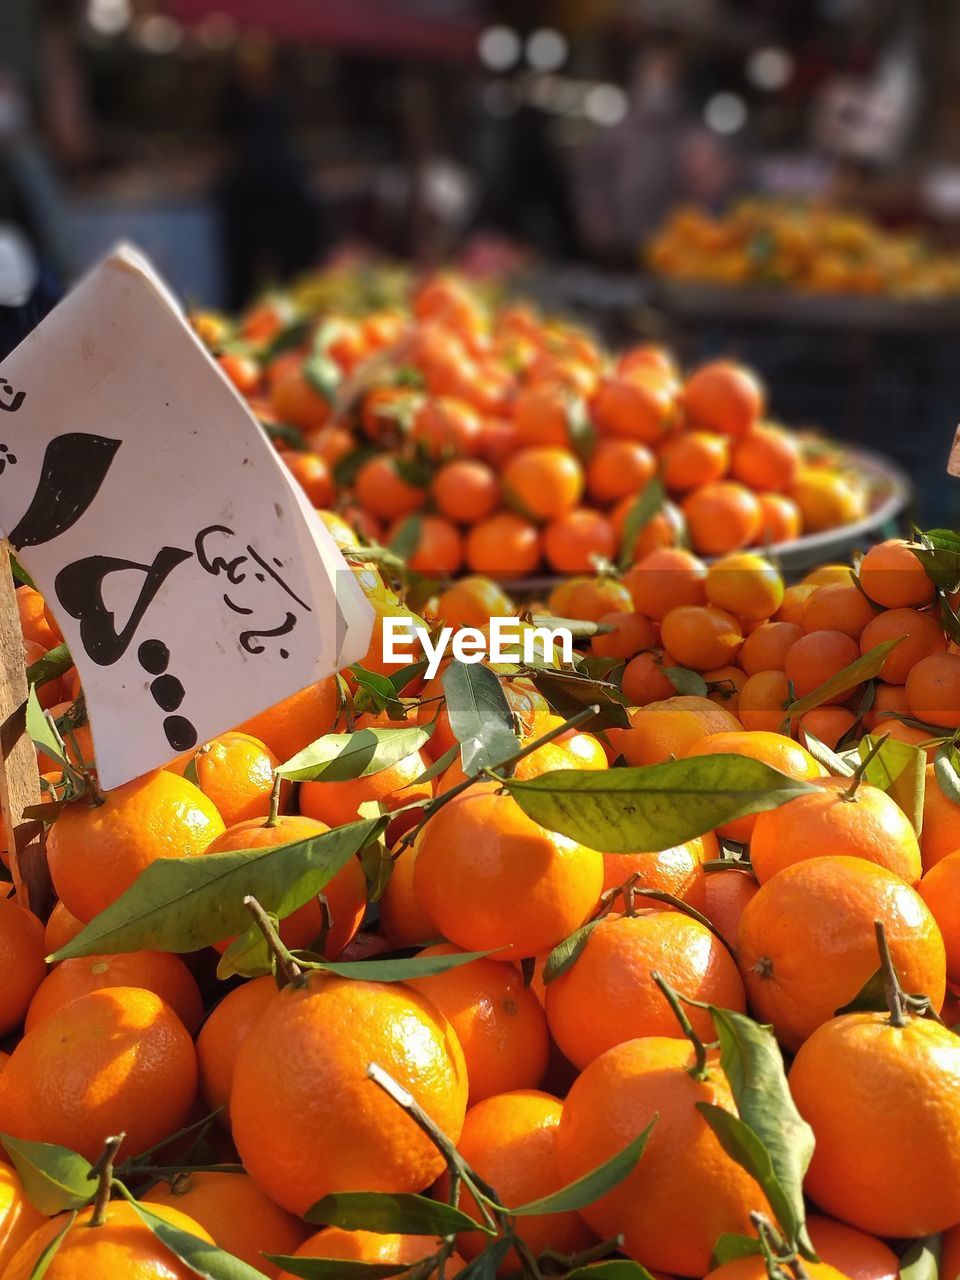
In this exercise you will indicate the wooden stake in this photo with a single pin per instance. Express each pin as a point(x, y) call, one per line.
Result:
point(953, 464)
point(19, 775)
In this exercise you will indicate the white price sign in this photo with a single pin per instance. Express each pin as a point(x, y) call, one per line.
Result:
point(193, 581)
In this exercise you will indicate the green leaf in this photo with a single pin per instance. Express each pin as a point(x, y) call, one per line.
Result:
point(946, 770)
point(405, 541)
point(377, 868)
point(949, 619)
point(486, 1265)
point(42, 1264)
point(654, 806)
point(566, 953)
point(440, 765)
point(53, 663)
point(591, 1186)
point(871, 998)
point(323, 375)
point(921, 1260)
point(612, 1269)
point(335, 1268)
point(939, 553)
point(39, 731)
point(290, 436)
point(900, 769)
point(480, 716)
point(203, 1258)
point(583, 434)
point(730, 1247)
point(345, 469)
point(400, 970)
point(569, 694)
point(823, 754)
point(752, 1062)
point(379, 689)
point(687, 682)
point(20, 574)
point(646, 506)
point(341, 757)
point(864, 668)
point(53, 1178)
point(376, 1211)
point(190, 773)
point(183, 904)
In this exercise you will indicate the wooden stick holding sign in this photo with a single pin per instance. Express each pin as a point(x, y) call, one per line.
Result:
point(192, 581)
point(19, 775)
point(953, 462)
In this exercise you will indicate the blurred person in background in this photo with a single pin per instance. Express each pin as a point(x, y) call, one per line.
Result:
point(43, 122)
point(629, 175)
point(270, 222)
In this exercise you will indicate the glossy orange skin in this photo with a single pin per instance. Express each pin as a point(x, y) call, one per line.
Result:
point(290, 725)
point(18, 1218)
point(618, 469)
point(630, 633)
point(883, 1105)
point(301, 1091)
point(96, 852)
point(313, 475)
point(826, 499)
point(723, 516)
point(949, 1254)
point(466, 490)
point(764, 698)
point(447, 427)
point(373, 1247)
point(702, 636)
point(384, 492)
point(123, 1052)
point(608, 996)
point(727, 893)
point(161, 972)
point(123, 1246)
point(919, 635)
point(240, 1219)
point(723, 396)
point(838, 606)
point(670, 728)
point(34, 623)
point(472, 602)
point(60, 928)
point(746, 584)
point(807, 942)
point(492, 878)
point(892, 576)
point(773, 749)
point(221, 1036)
point(235, 772)
point(571, 540)
point(346, 893)
point(644, 681)
point(589, 599)
point(337, 803)
point(754, 1268)
point(511, 1141)
point(824, 822)
point(694, 458)
point(939, 888)
point(940, 833)
point(933, 690)
point(685, 1192)
point(499, 1023)
point(829, 724)
point(22, 952)
point(543, 481)
point(678, 870)
point(765, 459)
point(853, 1253)
point(439, 547)
point(816, 657)
point(504, 545)
point(403, 918)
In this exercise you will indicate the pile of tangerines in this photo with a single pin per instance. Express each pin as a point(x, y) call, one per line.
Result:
point(636, 966)
point(502, 442)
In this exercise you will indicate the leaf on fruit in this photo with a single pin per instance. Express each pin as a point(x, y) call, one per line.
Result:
point(20, 574)
point(379, 690)
point(400, 970)
point(864, 668)
point(53, 663)
point(871, 998)
point(771, 1124)
point(205, 1259)
point(921, 1259)
point(687, 682)
point(591, 1186)
point(569, 694)
point(53, 1178)
point(486, 1265)
point(440, 765)
point(336, 1268)
point(341, 757)
point(939, 553)
point(324, 375)
point(653, 806)
point(900, 769)
point(407, 537)
point(566, 953)
point(480, 716)
point(824, 755)
point(384, 1214)
point(583, 434)
point(39, 731)
point(183, 904)
point(730, 1247)
point(648, 503)
point(946, 770)
point(52, 1248)
point(377, 868)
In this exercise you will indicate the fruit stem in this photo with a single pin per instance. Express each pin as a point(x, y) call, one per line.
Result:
point(287, 967)
point(699, 1068)
point(850, 792)
point(273, 817)
point(103, 1170)
point(891, 982)
point(77, 778)
point(435, 805)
